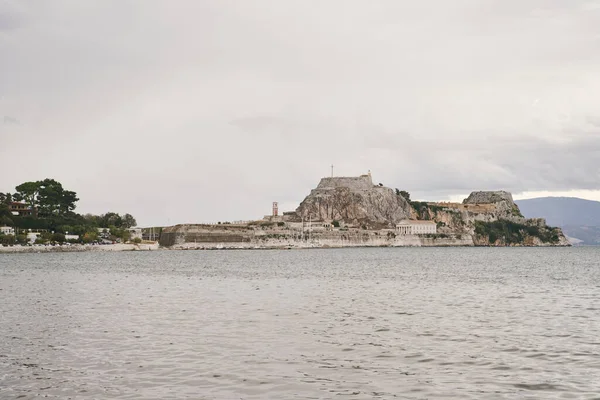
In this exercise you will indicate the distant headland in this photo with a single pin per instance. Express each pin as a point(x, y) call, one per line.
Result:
point(354, 212)
point(339, 212)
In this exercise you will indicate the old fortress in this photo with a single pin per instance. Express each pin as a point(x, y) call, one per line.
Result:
point(352, 211)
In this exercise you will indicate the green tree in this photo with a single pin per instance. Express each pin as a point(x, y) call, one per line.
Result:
point(128, 221)
point(404, 194)
point(53, 199)
point(6, 198)
point(65, 229)
point(111, 219)
point(48, 196)
point(335, 223)
point(29, 191)
point(78, 230)
point(5, 215)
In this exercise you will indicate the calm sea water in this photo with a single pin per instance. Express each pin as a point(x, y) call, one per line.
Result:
point(402, 323)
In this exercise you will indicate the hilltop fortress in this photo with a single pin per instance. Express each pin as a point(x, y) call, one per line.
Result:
point(352, 211)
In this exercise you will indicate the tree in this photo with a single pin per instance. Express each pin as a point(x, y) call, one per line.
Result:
point(6, 221)
point(111, 219)
point(6, 198)
point(29, 191)
point(47, 195)
point(64, 229)
point(404, 194)
point(335, 223)
point(67, 203)
point(54, 200)
point(5, 216)
point(128, 221)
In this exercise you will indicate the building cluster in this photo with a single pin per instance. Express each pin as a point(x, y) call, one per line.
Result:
point(404, 227)
point(33, 234)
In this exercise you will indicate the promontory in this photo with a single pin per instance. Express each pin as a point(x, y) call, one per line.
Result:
point(352, 212)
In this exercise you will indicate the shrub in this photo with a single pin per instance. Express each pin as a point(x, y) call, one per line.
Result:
point(58, 238)
point(137, 240)
point(8, 240)
point(335, 223)
point(21, 239)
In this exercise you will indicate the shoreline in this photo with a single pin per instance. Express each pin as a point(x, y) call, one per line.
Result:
point(220, 246)
point(79, 248)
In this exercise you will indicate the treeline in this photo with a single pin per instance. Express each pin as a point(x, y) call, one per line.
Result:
point(52, 209)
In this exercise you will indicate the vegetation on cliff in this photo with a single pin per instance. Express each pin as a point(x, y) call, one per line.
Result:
point(508, 233)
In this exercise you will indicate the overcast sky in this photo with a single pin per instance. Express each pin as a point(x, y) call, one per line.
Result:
point(208, 110)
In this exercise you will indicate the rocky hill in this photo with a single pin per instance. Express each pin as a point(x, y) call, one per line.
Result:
point(352, 211)
point(354, 201)
point(491, 217)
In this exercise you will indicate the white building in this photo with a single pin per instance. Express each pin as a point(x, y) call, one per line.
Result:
point(32, 236)
point(71, 237)
point(416, 227)
point(7, 230)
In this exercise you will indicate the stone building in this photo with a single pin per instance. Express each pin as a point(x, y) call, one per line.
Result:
point(416, 227)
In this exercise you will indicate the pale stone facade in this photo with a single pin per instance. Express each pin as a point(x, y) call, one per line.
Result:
point(415, 227)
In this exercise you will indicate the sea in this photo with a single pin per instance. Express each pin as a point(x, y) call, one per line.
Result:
point(359, 323)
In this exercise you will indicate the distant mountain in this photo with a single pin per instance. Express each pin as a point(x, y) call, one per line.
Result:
point(579, 218)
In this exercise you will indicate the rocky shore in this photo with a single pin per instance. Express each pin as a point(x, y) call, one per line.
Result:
point(78, 248)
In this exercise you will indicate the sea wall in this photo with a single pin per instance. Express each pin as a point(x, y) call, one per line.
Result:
point(201, 239)
point(191, 233)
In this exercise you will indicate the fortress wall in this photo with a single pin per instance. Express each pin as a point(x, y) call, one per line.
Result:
point(474, 208)
point(362, 182)
point(315, 240)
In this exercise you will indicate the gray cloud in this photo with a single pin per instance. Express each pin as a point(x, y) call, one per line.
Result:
point(211, 110)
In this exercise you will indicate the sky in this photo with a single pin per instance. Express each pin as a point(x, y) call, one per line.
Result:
point(209, 110)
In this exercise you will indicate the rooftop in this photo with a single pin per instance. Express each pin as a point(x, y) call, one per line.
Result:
point(416, 222)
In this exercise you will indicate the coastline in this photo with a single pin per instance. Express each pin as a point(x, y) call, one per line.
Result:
point(77, 248)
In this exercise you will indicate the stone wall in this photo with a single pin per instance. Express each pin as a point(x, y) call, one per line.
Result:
point(336, 241)
point(363, 182)
point(190, 233)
